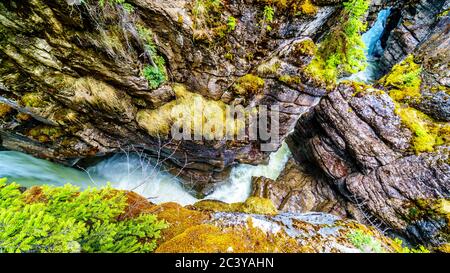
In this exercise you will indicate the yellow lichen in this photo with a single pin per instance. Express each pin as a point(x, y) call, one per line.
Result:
point(253, 205)
point(192, 112)
point(269, 68)
point(178, 218)
point(427, 133)
point(208, 238)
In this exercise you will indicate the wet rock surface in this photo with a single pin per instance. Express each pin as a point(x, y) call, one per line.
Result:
point(359, 142)
point(72, 71)
point(298, 190)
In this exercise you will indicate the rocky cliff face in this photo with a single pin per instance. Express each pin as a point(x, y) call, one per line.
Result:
point(368, 141)
point(360, 144)
point(73, 86)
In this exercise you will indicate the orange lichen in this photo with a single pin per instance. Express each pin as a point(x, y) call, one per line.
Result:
point(4, 110)
point(178, 218)
point(208, 238)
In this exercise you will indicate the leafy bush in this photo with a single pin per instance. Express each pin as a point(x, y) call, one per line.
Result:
point(154, 75)
point(62, 219)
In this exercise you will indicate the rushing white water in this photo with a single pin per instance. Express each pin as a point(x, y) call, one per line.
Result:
point(132, 172)
point(372, 40)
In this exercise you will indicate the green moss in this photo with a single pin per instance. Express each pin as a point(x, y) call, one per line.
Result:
point(287, 79)
point(403, 84)
point(35, 100)
point(269, 68)
point(404, 80)
point(46, 133)
point(63, 219)
point(259, 206)
point(399, 248)
point(427, 133)
point(292, 6)
point(208, 23)
point(126, 6)
point(155, 73)
point(305, 48)
point(231, 23)
point(248, 85)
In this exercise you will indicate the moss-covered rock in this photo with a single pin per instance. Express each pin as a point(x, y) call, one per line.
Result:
point(253, 205)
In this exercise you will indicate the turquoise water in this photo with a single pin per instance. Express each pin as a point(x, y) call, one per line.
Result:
point(131, 172)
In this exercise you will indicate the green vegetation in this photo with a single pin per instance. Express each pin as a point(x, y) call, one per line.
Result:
point(209, 24)
point(46, 133)
point(342, 51)
point(296, 7)
point(253, 205)
point(155, 73)
point(427, 133)
point(155, 76)
point(404, 80)
point(126, 6)
point(248, 85)
point(268, 15)
point(401, 249)
point(365, 242)
point(63, 219)
point(231, 23)
point(34, 99)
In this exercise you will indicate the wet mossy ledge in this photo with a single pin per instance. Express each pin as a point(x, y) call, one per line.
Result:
point(66, 219)
point(403, 84)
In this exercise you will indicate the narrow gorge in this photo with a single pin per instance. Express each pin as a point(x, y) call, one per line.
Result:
point(359, 88)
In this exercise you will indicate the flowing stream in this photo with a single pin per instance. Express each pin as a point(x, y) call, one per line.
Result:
point(131, 172)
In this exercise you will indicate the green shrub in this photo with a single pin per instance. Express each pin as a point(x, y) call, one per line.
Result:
point(155, 73)
point(365, 242)
point(63, 219)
